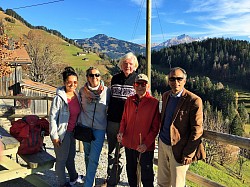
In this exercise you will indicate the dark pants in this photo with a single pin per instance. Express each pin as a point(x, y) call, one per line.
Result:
point(146, 164)
point(116, 155)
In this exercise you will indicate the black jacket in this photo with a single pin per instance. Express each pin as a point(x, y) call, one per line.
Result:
point(121, 88)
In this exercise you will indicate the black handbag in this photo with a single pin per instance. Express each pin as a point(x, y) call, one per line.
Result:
point(84, 133)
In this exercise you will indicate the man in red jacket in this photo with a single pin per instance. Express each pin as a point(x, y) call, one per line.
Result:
point(138, 129)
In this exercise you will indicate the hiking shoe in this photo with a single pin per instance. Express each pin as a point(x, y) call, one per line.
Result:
point(79, 179)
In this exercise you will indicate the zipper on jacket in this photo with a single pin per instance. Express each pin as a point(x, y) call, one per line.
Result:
point(136, 111)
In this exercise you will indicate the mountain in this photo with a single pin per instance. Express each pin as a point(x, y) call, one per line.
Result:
point(113, 47)
point(17, 29)
point(175, 41)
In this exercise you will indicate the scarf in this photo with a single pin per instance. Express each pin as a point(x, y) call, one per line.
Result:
point(91, 94)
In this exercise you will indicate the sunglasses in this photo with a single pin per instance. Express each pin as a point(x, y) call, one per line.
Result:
point(94, 75)
point(143, 84)
point(71, 82)
point(173, 79)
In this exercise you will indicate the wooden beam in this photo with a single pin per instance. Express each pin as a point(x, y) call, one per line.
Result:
point(6, 175)
point(8, 163)
point(228, 139)
point(201, 181)
point(28, 97)
point(12, 116)
point(39, 160)
point(8, 141)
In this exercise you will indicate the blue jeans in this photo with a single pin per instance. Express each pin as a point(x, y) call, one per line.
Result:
point(92, 153)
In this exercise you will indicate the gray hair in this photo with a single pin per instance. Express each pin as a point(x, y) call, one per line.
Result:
point(178, 68)
point(129, 55)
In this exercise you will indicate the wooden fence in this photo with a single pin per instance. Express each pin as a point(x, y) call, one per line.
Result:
point(211, 135)
point(10, 115)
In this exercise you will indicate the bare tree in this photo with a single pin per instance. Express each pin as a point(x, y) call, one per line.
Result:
point(46, 58)
point(4, 55)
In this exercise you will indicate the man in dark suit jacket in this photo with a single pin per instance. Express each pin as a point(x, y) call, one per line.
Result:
point(181, 130)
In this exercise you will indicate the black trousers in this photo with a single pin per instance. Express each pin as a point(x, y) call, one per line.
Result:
point(146, 164)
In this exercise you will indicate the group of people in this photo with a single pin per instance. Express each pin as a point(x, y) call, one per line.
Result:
point(130, 117)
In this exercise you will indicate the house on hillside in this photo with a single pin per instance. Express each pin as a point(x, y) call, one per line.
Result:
point(81, 54)
point(85, 59)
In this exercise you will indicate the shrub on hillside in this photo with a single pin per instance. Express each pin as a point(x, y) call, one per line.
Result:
point(11, 20)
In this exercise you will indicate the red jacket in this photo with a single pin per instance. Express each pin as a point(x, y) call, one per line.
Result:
point(140, 118)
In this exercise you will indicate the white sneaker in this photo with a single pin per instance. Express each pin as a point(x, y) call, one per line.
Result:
point(80, 179)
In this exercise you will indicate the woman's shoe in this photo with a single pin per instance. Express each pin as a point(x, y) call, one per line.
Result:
point(79, 179)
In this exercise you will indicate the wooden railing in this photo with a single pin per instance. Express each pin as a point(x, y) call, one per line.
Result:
point(219, 137)
point(12, 116)
point(211, 135)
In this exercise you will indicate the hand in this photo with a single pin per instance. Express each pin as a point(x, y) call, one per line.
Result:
point(56, 142)
point(186, 160)
point(141, 148)
point(119, 137)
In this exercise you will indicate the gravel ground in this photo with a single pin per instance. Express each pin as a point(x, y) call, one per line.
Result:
point(50, 175)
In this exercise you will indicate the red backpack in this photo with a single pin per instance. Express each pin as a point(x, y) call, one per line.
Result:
point(30, 131)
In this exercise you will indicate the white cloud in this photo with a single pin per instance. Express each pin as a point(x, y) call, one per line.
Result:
point(178, 22)
point(222, 17)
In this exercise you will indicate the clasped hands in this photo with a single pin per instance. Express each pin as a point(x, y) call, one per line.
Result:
point(141, 148)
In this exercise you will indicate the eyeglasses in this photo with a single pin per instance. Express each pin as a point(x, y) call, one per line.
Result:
point(94, 75)
point(143, 84)
point(71, 82)
point(173, 79)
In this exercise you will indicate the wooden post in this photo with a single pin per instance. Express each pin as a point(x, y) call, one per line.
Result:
point(148, 41)
point(80, 146)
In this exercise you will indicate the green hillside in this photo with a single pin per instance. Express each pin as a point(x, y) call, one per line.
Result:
point(221, 175)
point(18, 30)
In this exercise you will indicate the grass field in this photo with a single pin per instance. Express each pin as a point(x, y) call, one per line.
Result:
point(247, 129)
point(71, 58)
point(221, 175)
point(244, 97)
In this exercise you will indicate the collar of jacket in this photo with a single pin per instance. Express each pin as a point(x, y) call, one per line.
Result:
point(131, 74)
point(137, 100)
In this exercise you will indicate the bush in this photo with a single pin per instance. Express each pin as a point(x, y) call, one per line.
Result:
point(11, 20)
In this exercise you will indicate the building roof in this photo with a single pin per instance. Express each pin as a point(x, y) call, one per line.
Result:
point(27, 83)
point(20, 56)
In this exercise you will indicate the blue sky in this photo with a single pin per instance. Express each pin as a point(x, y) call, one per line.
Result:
point(126, 19)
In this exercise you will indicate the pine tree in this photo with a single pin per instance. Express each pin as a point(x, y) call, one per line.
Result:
point(236, 127)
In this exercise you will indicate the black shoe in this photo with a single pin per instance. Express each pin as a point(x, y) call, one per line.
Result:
point(67, 184)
